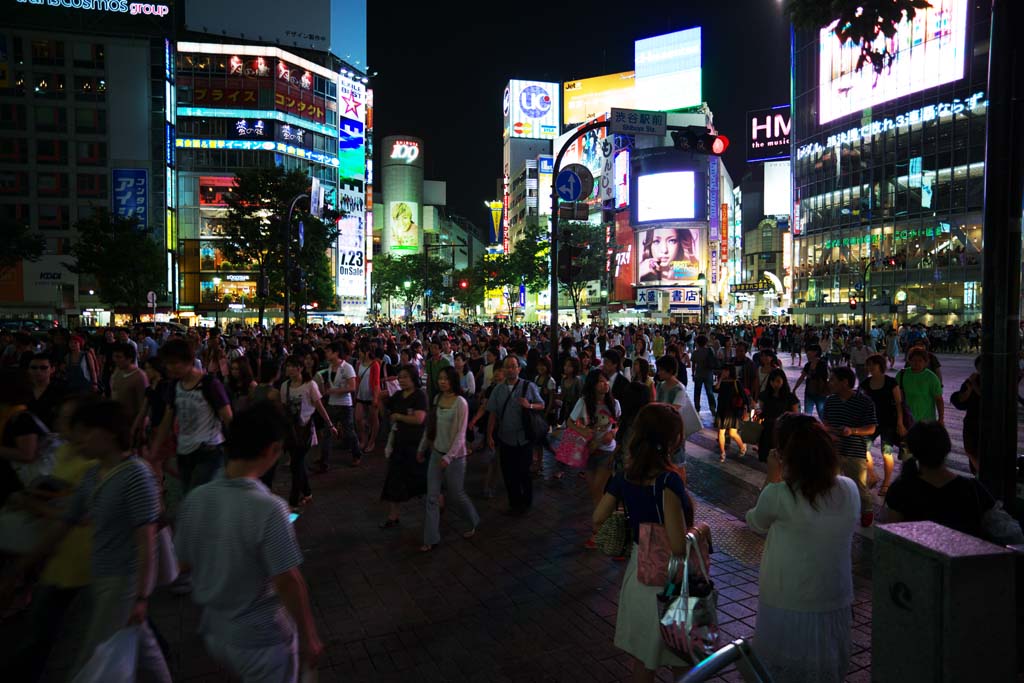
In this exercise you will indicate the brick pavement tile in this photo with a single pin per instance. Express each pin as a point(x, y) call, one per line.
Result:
point(861, 676)
point(861, 660)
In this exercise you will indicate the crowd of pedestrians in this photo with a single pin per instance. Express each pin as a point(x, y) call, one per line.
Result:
point(156, 457)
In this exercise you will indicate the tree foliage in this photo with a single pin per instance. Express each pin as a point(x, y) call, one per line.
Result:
point(590, 244)
point(19, 243)
point(473, 295)
point(391, 273)
point(859, 21)
point(255, 235)
point(526, 265)
point(126, 262)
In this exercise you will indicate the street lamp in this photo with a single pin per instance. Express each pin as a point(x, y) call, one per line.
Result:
point(216, 300)
point(702, 281)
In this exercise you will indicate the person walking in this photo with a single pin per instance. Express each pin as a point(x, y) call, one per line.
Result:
point(81, 370)
point(803, 631)
point(301, 399)
point(596, 417)
point(339, 379)
point(815, 373)
point(367, 398)
point(652, 492)
point(444, 445)
point(733, 402)
point(774, 401)
point(235, 538)
point(703, 362)
point(884, 392)
point(506, 433)
point(921, 390)
point(406, 476)
point(968, 399)
point(850, 417)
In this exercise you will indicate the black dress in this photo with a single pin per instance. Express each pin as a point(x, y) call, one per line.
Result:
point(729, 416)
point(774, 407)
point(406, 477)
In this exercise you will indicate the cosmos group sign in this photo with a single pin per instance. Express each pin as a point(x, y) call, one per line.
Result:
point(531, 109)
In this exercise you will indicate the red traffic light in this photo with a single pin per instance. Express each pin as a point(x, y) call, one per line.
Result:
point(463, 284)
point(853, 303)
point(719, 144)
point(698, 140)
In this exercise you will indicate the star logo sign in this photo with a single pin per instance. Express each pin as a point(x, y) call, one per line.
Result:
point(351, 105)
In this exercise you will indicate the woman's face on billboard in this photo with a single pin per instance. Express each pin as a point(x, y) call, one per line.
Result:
point(664, 245)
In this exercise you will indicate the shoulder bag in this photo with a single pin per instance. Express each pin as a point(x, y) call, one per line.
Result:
point(655, 549)
point(688, 610)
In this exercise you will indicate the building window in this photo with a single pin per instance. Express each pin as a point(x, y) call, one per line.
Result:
point(13, 183)
point(88, 55)
point(52, 184)
point(53, 217)
point(51, 151)
point(14, 151)
point(90, 121)
point(48, 85)
point(51, 119)
point(14, 213)
point(92, 185)
point(92, 153)
point(47, 52)
point(12, 116)
point(90, 88)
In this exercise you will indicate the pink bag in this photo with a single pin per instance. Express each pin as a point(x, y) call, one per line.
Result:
point(655, 549)
point(572, 449)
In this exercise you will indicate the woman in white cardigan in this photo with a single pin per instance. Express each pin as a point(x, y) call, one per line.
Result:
point(806, 585)
point(445, 443)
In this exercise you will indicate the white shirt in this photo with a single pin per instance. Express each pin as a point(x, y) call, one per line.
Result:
point(601, 424)
point(301, 399)
point(806, 563)
point(337, 379)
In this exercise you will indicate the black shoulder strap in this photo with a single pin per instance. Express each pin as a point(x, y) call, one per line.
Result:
point(501, 415)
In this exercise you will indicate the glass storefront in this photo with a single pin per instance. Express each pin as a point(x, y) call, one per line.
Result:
point(888, 200)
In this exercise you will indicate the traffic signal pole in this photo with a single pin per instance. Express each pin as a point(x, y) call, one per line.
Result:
point(288, 263)
point(554, 333)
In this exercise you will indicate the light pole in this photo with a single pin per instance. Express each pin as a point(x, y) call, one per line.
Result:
point(702, 280)
point(288, 261)
point(216, 300)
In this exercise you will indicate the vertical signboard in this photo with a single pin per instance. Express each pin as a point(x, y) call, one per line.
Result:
point(713, 224)
point(725, 242)
point(724, 219)
point(496, 208)
point(131, 194)
point(351, 282)
point(531, 110)
point(624, 273)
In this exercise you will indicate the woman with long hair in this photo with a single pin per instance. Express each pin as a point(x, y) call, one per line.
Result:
point(806, 581)
point(572, 387)
point(445, 443)
point(367, 397)
point(775, 399)
point(642, 373)
point(301, 398)
point(595, 417)
point(662, 249)
point(81, 370)
point(240, 383)
point(406, 477)
point(652, 492)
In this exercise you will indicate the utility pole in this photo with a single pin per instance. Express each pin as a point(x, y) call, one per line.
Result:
point(1001, 252)
point(288, 263)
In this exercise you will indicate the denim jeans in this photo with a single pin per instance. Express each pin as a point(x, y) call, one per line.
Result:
point(706, 380)
point(199, 466)
point(812, 402)
point(343, 418)
point(454, 477)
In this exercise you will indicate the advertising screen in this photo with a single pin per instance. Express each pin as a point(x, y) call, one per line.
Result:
point(624, 263)
point(405, 233)
point(584, 99)
point(668, 70)
point(351, 150)
point(351, 259)
point(776, 188)
point(531, 110)
point(669, 255)
point(545, 165)
point(666, 196)
point(927, 51)
point(585, 149)
point(622, 179)
point(768, 133)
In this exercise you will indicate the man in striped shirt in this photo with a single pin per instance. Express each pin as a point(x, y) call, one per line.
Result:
point(237, 539)
point(850, 416)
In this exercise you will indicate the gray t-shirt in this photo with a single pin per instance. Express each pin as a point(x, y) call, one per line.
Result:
point(198, 422)
point(509, 413)
point(236, 536)
point(117, 506)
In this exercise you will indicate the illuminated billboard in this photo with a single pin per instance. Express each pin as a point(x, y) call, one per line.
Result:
point(585, 150)
point(402, 226)
point(624, 264)
point(531, 110)
point(669, 196)
point(669, 255)
point(351, 283)
point(768, 133)
point(927, 51)
point(545, 166)
point(586, 98)
point(668, 71)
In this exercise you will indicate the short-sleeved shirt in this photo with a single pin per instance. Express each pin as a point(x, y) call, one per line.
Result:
point(336, 379)
point(236, 536)
point(602, 422)
point(117, 506)
point(198, 422)
point(407, 436)
point(959, 504)
point(644, 502)
point(885, 405)
point(920, 389)
point(300, 400)
point(817, 378)
point(504, 404)
point(856, 411)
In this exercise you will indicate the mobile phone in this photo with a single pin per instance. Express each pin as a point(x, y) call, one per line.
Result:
point(292, 516)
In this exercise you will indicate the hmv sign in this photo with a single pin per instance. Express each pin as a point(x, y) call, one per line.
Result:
point(768, 134)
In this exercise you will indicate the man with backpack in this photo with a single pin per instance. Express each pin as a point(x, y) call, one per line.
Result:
point(203, 409)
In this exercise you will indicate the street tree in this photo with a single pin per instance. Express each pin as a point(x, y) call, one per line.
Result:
point(408, 278)
point(583, 259)
point(860, 22)
point(18, 243)
point(255, 236)
point(470, 296)
point(527, 266)
point(125, 260)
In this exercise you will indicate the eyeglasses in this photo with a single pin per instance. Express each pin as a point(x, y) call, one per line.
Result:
point(42, 368)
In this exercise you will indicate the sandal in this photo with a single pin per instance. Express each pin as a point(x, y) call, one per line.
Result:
point(721, 456)
point(469, 534)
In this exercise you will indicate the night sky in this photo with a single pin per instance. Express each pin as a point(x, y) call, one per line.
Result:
point(442, 70)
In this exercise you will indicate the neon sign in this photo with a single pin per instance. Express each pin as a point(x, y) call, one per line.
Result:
point(405, 150)
point(259, 146)
point(924, 114)
point(256, 114)
point(116, 6)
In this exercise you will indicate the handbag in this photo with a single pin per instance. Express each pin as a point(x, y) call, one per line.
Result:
point(655, 549)
point(535, 422)
point(750, 431)
point(391, 386)
point(688, 610)
point(573, 449)
point(612, 538)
